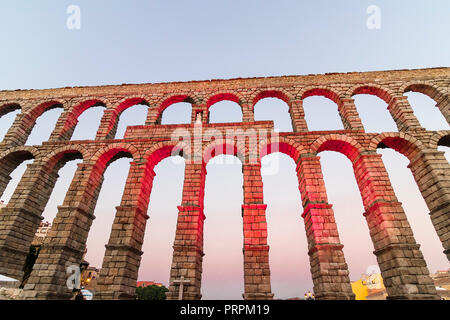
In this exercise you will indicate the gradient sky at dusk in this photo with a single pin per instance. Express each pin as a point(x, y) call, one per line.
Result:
point(160, 41)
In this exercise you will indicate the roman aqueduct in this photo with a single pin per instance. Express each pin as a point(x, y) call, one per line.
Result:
point(401, 262)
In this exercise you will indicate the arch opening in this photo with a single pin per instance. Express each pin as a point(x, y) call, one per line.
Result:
point(275, 109)
point(344, 195)
point(444, 141)
point(176, 113)
point(321, 113)
point(444, 146)
point(288, 253)
point(110, 192)
point(8, 114)
point(13, 167)
point(373, 112)
point(173, 116)
point(417, 212)
point(225, 112)
point(133, 116)
point(113, 167)
point(44, 125)
point(223, 271)
point(88, 123)
point(162, 223)
point(426, 111)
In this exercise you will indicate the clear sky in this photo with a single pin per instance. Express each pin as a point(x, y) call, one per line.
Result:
point(162, 41)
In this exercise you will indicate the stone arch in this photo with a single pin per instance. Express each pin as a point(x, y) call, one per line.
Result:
point(320, 239)
point(398, 107)
point(223, 96)
point(162, 150)
point(334, 96)
point(272, 93)
point(223, 147)
point(111, 117)
point(98, 164)
point(9, 107)
point(131, 217)
point(429, 168)
point(167, 102)
point(439, 95)
point(381, 92)
point(112, 152)
point(81, 107)
point(346, 145)
point(24, 124)
point(326, 92)
point(126, 103)
point(10, 160)
point(43, 177)
point(425, 88)
point(31, 151)
point(384, 215)
point(31, 116)
point(65, 153)
point(75, 215)
point(43, 107)
point(277, 93)
point(284, 145)
point(23, 213)
point(67, 126)
point(441, 138)
point(401, 142)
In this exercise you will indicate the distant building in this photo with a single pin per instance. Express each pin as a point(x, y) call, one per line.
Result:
point(148, 283)
point(89, 277)
point(369, 287)
point(442, 282)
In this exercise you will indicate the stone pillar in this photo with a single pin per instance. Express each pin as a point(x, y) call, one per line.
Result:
point(20, 219)
point(298, 116)
point(4, 179)
point(119, 273)
point(403, 268)
point(188, 246)
point(65, 126)
point(403, 114)
point(200, 112)
point(328, 267)
point(432, 174)
point(349, 115)
point(108, 125)
point(256, 251)
point(444, 106)
point(66, 241)
point(248, 112)
point(153, 116)
point(18, 133)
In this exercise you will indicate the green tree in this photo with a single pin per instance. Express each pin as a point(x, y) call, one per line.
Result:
point(151, 293)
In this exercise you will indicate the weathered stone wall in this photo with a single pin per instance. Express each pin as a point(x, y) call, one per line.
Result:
point(401, 262)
